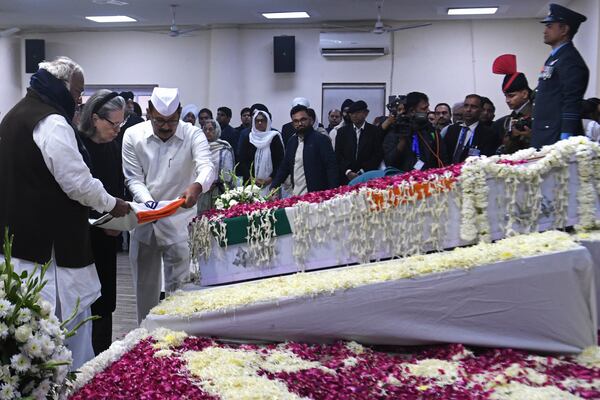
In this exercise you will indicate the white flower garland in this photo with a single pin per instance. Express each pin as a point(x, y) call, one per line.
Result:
point(261, 236)
point(474, 193)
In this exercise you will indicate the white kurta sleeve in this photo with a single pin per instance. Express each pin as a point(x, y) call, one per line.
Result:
point(133, 171)
point(56, 140)
point(205, 170)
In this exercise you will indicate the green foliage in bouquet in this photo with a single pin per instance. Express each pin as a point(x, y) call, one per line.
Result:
point(34, 362)
point(248, 192)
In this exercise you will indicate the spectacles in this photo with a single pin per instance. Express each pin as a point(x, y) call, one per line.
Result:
point(116, 125)
point(300, 121)
point(161, 122)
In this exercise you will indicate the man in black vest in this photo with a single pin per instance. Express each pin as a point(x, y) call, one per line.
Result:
point(562, 82)
point(46, 191)
point(358, 145)
point(470, 138)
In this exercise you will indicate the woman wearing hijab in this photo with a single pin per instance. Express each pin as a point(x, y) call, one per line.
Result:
point(262, 152)
point(188, 113)
point(99, 123)
point(224, 161)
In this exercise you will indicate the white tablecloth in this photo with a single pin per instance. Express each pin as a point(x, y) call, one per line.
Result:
point(543, 303)
point(593, 247)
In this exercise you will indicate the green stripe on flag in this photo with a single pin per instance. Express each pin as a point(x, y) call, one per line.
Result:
point(237, 228)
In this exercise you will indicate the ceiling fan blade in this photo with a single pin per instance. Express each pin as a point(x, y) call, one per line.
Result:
point(9, 32)
point(403, 28)
point(183, 32)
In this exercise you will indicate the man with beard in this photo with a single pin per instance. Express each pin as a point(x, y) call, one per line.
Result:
point(309, 157)
point(228, 133)
point(470, 138)
point(287, 130)
point(164, 158)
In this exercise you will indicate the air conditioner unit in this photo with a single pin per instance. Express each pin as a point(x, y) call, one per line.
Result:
point(344, 44)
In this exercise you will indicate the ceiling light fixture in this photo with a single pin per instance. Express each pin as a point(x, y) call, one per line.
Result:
point(286, 15)
point(473, 11)
point(105, 19)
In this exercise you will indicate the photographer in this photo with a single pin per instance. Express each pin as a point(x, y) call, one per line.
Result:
point(411, 141)
point(514, 130)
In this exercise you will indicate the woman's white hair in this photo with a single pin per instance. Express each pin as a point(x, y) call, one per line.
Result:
point(61, 68)
point(217, 127)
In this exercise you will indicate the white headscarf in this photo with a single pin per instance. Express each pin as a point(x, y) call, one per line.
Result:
point(189, 108)
point(263, 165)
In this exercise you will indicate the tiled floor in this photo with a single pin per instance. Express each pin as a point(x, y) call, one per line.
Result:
point(124, 317)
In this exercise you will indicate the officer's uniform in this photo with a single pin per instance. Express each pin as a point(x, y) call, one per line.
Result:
point(561, 86)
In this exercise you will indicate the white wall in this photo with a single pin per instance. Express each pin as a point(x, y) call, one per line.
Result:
point(10, 71)
point(234, 67)
point(586, 40)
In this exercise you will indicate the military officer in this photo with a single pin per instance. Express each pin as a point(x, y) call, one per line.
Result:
point(562, 82)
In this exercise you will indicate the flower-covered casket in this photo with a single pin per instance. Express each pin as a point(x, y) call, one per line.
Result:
point(482, 199)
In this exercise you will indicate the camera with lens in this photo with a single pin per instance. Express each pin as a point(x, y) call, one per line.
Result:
point(394, 103)
point(522, 123)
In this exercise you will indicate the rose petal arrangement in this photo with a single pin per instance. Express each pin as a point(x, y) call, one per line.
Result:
point(171, 365)
point(305, 284)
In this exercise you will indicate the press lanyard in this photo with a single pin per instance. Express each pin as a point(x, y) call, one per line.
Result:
point(415, 146)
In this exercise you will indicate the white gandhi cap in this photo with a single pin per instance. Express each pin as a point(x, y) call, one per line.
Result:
point(301, 100)
point(165, 100)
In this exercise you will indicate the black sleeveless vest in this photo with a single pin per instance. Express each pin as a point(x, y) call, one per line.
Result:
point(32, 204)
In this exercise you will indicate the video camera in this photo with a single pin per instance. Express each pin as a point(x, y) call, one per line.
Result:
point(405, 124)
point(394, 102)
point(522, 123)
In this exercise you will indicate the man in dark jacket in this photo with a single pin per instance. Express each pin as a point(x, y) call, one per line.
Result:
point(309, 157)
point(358, 145)
point(562, 82)
point(471, 138)
point(412, 142)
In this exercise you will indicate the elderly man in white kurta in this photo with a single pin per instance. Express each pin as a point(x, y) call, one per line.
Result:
point(163, 159)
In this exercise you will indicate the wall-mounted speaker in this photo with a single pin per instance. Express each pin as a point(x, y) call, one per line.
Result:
point(35, 53)
point(284, 53)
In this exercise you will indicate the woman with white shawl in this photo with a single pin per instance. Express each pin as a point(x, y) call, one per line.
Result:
point(262, 153)
point(224, 161)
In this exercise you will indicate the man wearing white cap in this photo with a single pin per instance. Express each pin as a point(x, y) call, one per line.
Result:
point(163, 159)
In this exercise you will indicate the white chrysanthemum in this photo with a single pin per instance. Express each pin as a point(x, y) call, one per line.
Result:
point(23, 333)
point(23, 316)
point(20, 362)
point(34, 347)
point(46, 307)
point(8, 392)
point(41, 391)
point(5, 308)
point(48, 345)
